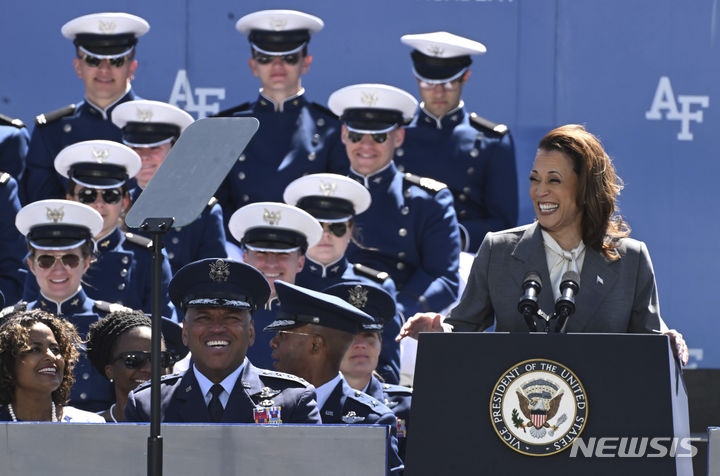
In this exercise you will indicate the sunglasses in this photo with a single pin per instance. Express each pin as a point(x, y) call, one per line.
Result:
point(94, 61)
point(109, 195)
point(267, 59)
point(447, 86)
point(337, 229)
point(48, 261)
point(138, 359)
point(356, 137)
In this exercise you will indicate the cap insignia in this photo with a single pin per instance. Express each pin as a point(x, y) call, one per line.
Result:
point(278, 24)
point(328, 189)
point(144, 115)
point(271, 218)
point(358, 296)
point(100, 154)
point(106, 27)
point(435, 50)
point(219, 271)
point(55, 214)
point(369, 99)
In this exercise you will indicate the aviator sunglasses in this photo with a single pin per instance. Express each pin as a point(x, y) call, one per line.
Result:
point(94, 61)
point(137, 359)
point(109, 195)
point(337, 229)
point(267, 59)
point(356, 137)
point(48, 261)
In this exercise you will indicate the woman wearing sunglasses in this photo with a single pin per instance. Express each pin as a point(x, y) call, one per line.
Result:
point(118, 347)
point(334, 201)
point(37, 356)
point(60, 243)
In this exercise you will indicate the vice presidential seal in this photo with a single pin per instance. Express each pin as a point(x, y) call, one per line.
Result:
point(538, 407)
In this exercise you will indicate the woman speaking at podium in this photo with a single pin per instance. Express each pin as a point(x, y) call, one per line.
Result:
point(573, 187)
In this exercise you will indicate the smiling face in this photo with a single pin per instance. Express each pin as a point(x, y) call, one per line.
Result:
point(367, 156)
point(330, 248)
point(105, 84)
point(218, 338)
point(292, 349)
point(276, 265)
point(362, 356)
point(39, 369)
point(60, 281)
point(279, 79)
point(152, 158)
point(136, 339)
point(554, 191)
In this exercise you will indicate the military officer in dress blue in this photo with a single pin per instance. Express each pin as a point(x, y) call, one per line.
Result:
point(151, 128)
point(274, 238)
point(12, 243)
point(296, 136)
point(14, 140)
point(361, 359)
point(410, 230)
point(60, 239)
point(218, 298)
point(472, 155)
point(312, 333)
point(334, 200)
point(105, 62)
point(97, 173)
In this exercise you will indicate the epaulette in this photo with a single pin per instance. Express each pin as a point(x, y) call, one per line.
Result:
point(427, 183)
point(170, 378)
point(391, 388)
point(212, 202)
point(139, 240)
point(376, 405)
point(374, 274)
point(324, 110)
point(17, 307)
point(4, 178)
point(11, 122)
point(487, 126)
point(110, 307)
point(284, 376)
point(229, 112)
point(53, 116)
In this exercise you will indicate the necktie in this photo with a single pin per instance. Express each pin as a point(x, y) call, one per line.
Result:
point(215, 408)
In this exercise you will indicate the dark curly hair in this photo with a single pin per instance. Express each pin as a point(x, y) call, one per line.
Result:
point(15, 339)
point(598, 187)
point(104, 334)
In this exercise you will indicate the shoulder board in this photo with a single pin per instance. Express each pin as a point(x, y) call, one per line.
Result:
point(53, 116)
point(428, 184)
point(390, 388)
point(374, 274)
point(139, 240)
point(4, 178)
point(19, 307)
point(212, 202)
point(110, 307)
point(485, 125)
point(324, 110)
point(375, 405)
point(284, 376)
point(169, 379)
point(229, 112)
point(11, 122)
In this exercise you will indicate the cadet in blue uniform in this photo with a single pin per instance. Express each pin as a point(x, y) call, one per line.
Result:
point(60, 238)
point(98, 172)
point(12, 243)
point(218, 298)
point(472, 155)
point(105, 62)
point(335, 200)
point(296, 136)
point(151, 128)
point(361, 359)
point(410, 230)
point(274, 238)
point(14, 141)
point(312, 333)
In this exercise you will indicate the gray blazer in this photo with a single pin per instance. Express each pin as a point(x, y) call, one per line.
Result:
point(615, 296)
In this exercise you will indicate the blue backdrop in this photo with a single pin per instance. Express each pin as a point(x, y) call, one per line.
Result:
point(638, 74)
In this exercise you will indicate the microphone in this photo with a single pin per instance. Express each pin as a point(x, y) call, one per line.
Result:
point(528, 305)
point(565, 304)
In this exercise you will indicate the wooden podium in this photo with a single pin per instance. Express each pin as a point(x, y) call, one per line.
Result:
point(511, 403)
